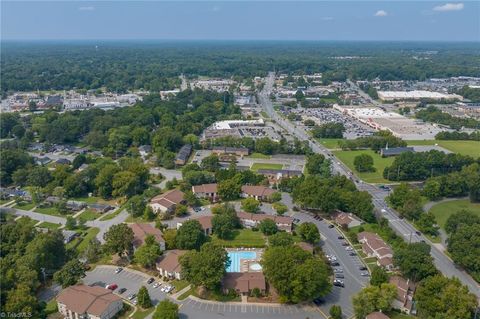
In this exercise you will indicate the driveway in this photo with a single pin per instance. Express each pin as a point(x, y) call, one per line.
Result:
point(105, 225)
point(192, 307)
point(169, 174)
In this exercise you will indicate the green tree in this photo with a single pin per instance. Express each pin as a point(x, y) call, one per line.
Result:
point(166, 310)
point(20, 300)
point(190, 235)
point(459, 219)
point(147, 254)
point(104, 180)
point(143, 298)
point(119, 240)
point(181, 210)
point(170, 235)
point(93, 252)
point(379, 276)
point(125, 183)
point(282, 239)
point(317, 164)
point(136, 205)
point(373, 298)
point(211, 163)
point(205, 267)
point(432, 189)
point(70, 273)
point(250, 205)
point(276, 197)
point(464, 246)
point(268, 227)
point(229, 189)
point(39, 176)
point(71, 223)
point(414, 261)
point(309, 232)
point(224, 223)
point(280, 208)
point(364, 163)
point(148, 213)
point(335, 312)
point(295, 274)
point(444, 298)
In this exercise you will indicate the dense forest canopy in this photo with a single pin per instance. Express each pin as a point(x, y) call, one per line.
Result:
point(155, 65)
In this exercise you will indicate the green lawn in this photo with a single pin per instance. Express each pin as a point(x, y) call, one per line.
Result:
point(51, 307)
point(179, 284)
point(347, 157)
point(111, 215)
point(329, 143)
point(186, 294)
point(48, 211)
point(88, 200)
point(471, 148)
point(91, 233)
point(24, 206)
point(140, 313)
point(259, 155)
point(256, 166)
point(49, 225)
point(89, 215)
point(443, 210)
point(242, 238)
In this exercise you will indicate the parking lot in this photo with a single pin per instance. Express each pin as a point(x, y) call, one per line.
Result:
point(349, 265)
point(191, 308)
point(353, 128)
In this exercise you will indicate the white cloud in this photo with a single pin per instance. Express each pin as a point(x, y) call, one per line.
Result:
point(381, 13)
point(449, 7)
point(86, 8)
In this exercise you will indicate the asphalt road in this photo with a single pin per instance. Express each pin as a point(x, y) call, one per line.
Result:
point(400, 226)
point(196, 309)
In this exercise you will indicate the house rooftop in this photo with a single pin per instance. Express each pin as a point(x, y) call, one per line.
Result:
point(85, 299)
point(205, 188)
point(141, 231)
point(169, 199)
point(254, 190)
point(170, 262)
point(244, 282)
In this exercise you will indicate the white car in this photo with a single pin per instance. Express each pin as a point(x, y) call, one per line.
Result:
point(119, 269)
point(156, 285)
point(384, 211)
point(348, 248)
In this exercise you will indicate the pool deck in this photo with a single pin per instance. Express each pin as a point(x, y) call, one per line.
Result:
point(245, 264)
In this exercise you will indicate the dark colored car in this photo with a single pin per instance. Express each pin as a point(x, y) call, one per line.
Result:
point(341, 237)
point(122, 290)
point(344, 243)
point(339, 276)
point(149, 281)
point(330, 226)
point(339, 283)
point(318, 301)
point(335, 263)
point(352, 253)
point(362, 268)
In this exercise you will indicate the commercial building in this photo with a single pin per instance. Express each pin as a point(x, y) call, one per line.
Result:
point(239, 151)
point(416, 95)
point(374, 246)
point(394, 151)
point(169, 266)
point(167, 201)
point(85, 302)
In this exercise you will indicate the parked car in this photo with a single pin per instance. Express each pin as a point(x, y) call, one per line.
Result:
point(318, 301)
point(331, 226)
point(156, 285)
point(196, 209)
point(362, 268)
point(131, 296)
point(119, 269)
point(339, 283)
point(338, 270)
point(364, 274)
point(335, 263)
point(349, 248)
point(340, 237)
point(339, 276)
point(344, 243)
point(135, 301)
point(112, 286)
point(149, 281)
point(122, 290)
point(352, 253)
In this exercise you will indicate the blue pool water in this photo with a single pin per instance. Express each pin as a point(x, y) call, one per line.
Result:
point(236, 256)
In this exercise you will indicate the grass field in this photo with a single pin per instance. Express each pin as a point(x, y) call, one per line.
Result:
point(49, 225)
point(88, 215)
point(48, 211)
point(443, 210)
point(471, 148)
point(243, 238)
point(111, 215)
point(256, 166)
point(180, 284)
point(91, 233)
point(259, 155)
point(330, 143)
point(347, 157)
point(24, 206)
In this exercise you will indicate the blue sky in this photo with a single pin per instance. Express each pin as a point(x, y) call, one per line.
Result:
point(254, 20)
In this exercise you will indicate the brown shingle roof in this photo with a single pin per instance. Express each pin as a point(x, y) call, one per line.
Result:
point(377, 315)
point(257, 190)
point(244, 282)
point(85, 299)
point(375, 243)
point(170, 262)
point(404, 287)
point(205, 188)
point(259, 217)
point(141, 231)
point(342, 218)
point(168, 199)
point(205, 221)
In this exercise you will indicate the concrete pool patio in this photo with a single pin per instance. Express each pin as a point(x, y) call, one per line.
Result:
point(244, 260)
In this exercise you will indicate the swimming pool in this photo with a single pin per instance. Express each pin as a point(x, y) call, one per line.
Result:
point(236, 257)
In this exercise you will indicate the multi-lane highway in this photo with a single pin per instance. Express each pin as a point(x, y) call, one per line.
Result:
point(400, 226)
